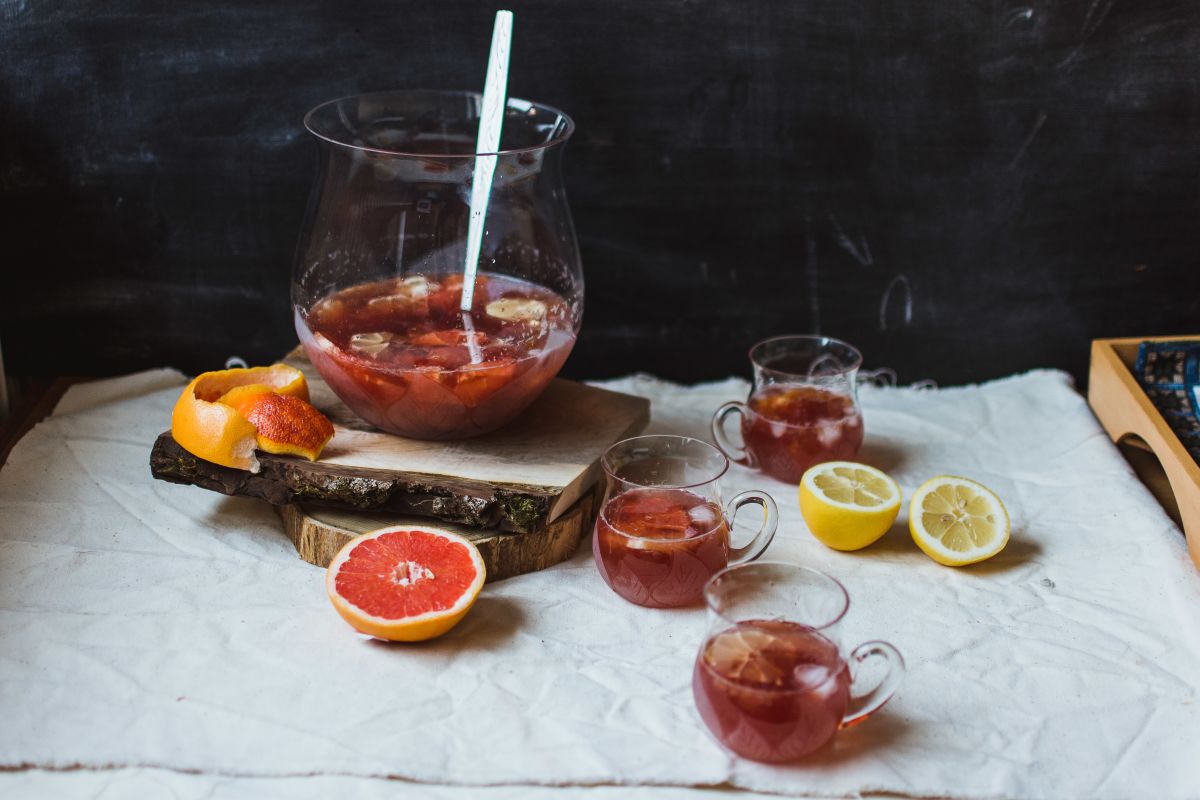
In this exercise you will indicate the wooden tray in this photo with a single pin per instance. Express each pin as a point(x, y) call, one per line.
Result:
point(519, 478)
point(1127, 413)
point(320, 533)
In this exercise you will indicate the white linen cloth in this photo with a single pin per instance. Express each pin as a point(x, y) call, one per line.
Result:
point(146, 783)
point(144, 624)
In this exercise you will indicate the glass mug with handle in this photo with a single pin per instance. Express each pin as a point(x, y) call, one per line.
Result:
point(663, 531)
point(803, 407)
point(773, 680)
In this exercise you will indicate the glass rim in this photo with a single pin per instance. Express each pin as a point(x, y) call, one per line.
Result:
point(562, 135)
point(608, 469)
point(710, 586)
point(823, 341)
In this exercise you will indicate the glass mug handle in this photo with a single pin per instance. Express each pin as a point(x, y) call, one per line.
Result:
point(724, 444)
point(864, 705)
point(755, 547)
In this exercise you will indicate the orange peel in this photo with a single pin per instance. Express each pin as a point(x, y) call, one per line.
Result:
point(242, 397)
point(216, 432)
point(284, 425)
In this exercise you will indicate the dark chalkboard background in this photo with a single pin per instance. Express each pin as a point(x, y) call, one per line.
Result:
point(964, 189)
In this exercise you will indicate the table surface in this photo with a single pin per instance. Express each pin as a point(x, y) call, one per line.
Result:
point(38, 402)
point(44, 394)
point(1019, 576)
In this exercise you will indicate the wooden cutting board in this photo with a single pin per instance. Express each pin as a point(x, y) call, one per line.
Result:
point(319, 533)
point(520, 478)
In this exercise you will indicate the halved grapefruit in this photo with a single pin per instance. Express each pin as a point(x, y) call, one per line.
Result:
point(405, 583)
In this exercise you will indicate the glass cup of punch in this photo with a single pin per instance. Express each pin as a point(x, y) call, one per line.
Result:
point(774, 679)
point(663, 530)
point(803, 407)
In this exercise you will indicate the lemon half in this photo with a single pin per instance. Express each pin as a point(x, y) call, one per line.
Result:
point(848, 506)
point(957, 521)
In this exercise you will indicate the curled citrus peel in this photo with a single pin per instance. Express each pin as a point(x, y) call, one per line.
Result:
point(284, 425)
point(218, 432)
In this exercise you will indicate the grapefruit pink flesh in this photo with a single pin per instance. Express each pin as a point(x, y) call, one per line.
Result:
point(405, 583)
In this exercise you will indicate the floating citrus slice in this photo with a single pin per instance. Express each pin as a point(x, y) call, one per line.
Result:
point(451, 338)
point(745, 654)
point(285, 425)
point(651, 514)
point(848, 506)
point(405, 583)
point(215, 431)
point(957, 521)
point(521, 309)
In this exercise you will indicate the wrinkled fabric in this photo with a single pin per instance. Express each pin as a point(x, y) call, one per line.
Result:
point(147, 783)
point(149, 625)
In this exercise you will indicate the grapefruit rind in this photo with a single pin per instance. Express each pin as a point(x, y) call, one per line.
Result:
point(279, 378)
point(217, 433)
point(421, 627)
point(242, 398)
point(285, 425)
point(213, 432)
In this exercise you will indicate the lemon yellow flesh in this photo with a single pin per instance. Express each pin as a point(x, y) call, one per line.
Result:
point(848, 506)
point(958, 522)
point(854, 486)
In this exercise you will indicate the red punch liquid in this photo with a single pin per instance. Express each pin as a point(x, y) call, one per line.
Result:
point(402, 356)
point(795, 427)
point(658, 547)
point(771, 691)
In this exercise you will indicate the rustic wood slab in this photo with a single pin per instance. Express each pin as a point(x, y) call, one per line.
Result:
point(319, 534)
point(517, 479)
